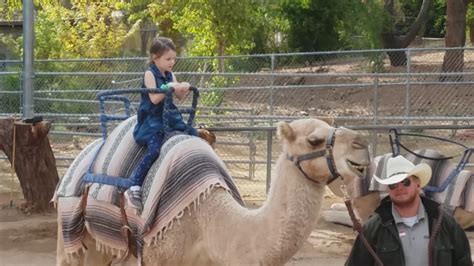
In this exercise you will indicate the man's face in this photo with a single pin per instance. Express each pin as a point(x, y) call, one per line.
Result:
point(405, 192)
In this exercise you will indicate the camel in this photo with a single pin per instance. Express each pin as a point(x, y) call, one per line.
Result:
point(366, 201)
point(223, 232)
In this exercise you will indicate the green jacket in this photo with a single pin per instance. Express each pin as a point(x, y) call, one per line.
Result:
point(450, 245)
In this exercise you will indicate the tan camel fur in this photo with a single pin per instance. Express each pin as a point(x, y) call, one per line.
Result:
point(222, 232)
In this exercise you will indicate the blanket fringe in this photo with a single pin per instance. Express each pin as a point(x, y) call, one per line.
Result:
point(196, 203)
point(119, 254)
point(75, 254)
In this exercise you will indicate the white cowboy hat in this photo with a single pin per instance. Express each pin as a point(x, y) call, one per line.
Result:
point(399, 168)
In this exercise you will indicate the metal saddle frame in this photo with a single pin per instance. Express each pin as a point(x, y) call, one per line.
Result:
point(117, 95)
point(396, 144)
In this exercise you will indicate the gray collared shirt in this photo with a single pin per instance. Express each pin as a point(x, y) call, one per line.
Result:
point(415, 239)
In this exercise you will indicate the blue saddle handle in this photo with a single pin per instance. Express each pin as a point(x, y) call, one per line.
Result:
point(116, 95)
point(167, 109)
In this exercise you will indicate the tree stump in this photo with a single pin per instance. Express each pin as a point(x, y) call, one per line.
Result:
point(35, 165)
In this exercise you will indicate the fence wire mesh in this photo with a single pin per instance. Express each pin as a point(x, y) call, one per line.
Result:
point(10, 88)
point(375, 87)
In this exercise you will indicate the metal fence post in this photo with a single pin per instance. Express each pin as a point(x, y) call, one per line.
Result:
point(376, 113)
point(252, 147)
point(269, 158)
point(28, 57)
point(408, 80)
point(272, 88)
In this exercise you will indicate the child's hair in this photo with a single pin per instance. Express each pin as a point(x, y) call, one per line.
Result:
point(159, 46)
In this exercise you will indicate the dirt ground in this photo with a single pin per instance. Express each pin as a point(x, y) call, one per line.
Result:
point(31, 239)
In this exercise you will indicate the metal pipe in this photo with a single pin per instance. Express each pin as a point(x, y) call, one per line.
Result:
point(28, 58)
point(376, 113)
point(269, 158)
point(407, 92)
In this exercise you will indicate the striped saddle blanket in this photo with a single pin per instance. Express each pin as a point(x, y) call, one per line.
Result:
point(458, 193)
point(186, 170)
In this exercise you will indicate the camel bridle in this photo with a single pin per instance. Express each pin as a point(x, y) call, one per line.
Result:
point(326, 152)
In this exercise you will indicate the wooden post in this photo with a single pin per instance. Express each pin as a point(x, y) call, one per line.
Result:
point(35, 164)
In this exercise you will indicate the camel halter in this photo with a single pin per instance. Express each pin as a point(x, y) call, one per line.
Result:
point(326, 152)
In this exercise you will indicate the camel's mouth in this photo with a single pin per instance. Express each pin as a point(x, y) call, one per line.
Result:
point(359, 169)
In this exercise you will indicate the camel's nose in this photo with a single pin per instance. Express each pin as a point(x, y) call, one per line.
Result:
point(360, 143)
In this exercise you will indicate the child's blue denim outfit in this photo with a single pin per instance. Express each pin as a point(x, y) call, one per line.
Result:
point(149, 128)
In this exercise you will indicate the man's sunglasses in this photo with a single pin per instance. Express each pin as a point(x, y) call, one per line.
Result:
point(406, 182)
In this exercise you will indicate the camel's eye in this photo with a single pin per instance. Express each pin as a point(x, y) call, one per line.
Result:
point(315, 141)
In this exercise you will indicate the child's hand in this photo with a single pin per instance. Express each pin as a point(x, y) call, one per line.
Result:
point(184, 86)
point(181, 89)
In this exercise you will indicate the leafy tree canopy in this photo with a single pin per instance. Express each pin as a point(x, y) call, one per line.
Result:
point(78, 28)
point(318, 25)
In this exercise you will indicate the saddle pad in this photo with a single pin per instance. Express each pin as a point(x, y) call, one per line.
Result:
point(469, 194)
point(117, 156)
point(186, 169)
point(453, 196)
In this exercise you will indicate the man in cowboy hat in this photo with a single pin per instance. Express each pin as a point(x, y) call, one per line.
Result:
point(409, 229)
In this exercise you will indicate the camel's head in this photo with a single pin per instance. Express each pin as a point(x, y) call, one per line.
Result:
point(305, 142)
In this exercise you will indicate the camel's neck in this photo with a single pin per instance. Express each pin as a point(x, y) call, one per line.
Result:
point(290, 211)
point(271, 234)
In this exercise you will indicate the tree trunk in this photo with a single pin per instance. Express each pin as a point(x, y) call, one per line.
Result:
point(35, 164)
point(390, 39)
point(397, 58)
point(221, 52)
point(455, 37)
point(471, 32)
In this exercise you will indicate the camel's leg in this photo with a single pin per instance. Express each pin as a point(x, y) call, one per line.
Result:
point(365, 206)
point(464, 218)
point(93, 256)
point(61, 257)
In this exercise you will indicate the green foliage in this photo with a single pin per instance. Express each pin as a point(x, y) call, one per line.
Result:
point(12, 45)
point(376, 62)
point(10, 103)
point(436, 25)
point(79, 29)
point(361, 19)
point(216, 28)
point(269, 31)
point(10, 83)
point(318, 25)
point(408, 10)
point(312, 24)
point(215, 96)
point(219, 27)
point(469, 16)
point(212, 98)
point(72, 29)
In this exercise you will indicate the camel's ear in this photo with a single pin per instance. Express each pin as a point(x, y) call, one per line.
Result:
point(285, 131)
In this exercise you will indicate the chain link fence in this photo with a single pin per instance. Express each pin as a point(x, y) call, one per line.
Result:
point(10, 87)
point(376, 88)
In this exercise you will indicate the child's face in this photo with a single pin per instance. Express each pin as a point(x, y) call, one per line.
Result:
point(166, 61)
